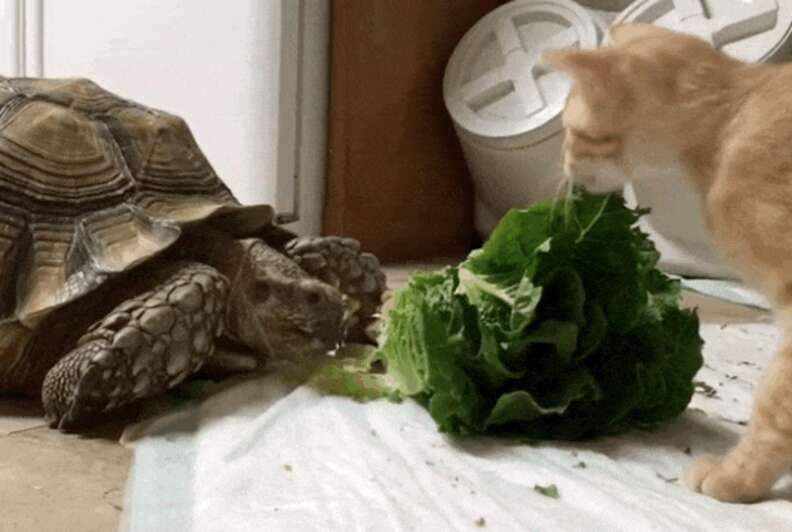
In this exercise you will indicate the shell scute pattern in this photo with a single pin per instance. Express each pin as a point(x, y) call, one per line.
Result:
point(91, 185)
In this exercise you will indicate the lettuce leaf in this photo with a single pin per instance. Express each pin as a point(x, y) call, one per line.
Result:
point(560, 326)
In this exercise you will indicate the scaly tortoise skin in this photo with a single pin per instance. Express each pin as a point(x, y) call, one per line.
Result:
point(125, 261)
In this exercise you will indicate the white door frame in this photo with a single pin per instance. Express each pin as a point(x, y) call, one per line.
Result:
point(305, 82)
point(304, 87)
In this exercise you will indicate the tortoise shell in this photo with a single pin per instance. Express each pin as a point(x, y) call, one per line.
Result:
point(91, 185)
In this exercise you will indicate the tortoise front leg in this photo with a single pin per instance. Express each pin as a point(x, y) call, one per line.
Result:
point(143, 347)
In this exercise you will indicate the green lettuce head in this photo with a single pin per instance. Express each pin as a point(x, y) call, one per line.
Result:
point(561, 326)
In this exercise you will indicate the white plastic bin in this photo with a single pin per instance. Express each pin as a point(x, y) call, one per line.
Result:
point(506, 109)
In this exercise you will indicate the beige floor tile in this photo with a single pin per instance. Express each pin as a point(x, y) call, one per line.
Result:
point(53, 482)
point(18, 414)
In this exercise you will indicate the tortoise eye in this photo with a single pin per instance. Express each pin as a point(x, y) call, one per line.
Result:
point(262, 291)
point(313, 298)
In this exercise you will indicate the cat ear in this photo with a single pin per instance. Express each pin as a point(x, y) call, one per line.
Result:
point(569, 59)
point(626, 33)
point(588, 65)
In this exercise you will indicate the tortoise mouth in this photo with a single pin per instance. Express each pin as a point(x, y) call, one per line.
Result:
point(305, 344)
point(325, 337)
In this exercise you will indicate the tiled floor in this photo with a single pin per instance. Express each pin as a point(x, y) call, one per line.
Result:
point(53, 482)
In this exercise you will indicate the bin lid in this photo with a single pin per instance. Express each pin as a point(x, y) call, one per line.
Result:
point(749, 30)
point(605, 5)
point(494, 86)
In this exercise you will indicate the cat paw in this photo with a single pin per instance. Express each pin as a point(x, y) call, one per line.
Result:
point(716, 478)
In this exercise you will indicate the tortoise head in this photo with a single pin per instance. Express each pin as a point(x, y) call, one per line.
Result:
point(280, 311)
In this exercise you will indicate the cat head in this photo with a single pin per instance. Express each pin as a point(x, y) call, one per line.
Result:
point(631, 102)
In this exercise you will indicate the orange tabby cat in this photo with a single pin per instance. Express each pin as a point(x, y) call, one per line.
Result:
point(656, 101)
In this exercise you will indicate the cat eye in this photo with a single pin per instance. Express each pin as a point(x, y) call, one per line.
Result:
point(594, 139)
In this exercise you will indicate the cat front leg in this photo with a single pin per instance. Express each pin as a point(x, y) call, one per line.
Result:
point(764, 452)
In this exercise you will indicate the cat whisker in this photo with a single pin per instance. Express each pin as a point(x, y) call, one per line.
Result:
point(559, 192)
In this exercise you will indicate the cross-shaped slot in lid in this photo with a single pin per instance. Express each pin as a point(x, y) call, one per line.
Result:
point(734, 21)
point(520, 72)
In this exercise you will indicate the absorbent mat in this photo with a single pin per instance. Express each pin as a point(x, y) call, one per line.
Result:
point(266, 456)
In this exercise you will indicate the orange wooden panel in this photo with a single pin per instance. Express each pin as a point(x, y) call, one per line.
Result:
point(397, 179)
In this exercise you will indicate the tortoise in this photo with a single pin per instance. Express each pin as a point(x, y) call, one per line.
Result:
point(126, 264)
